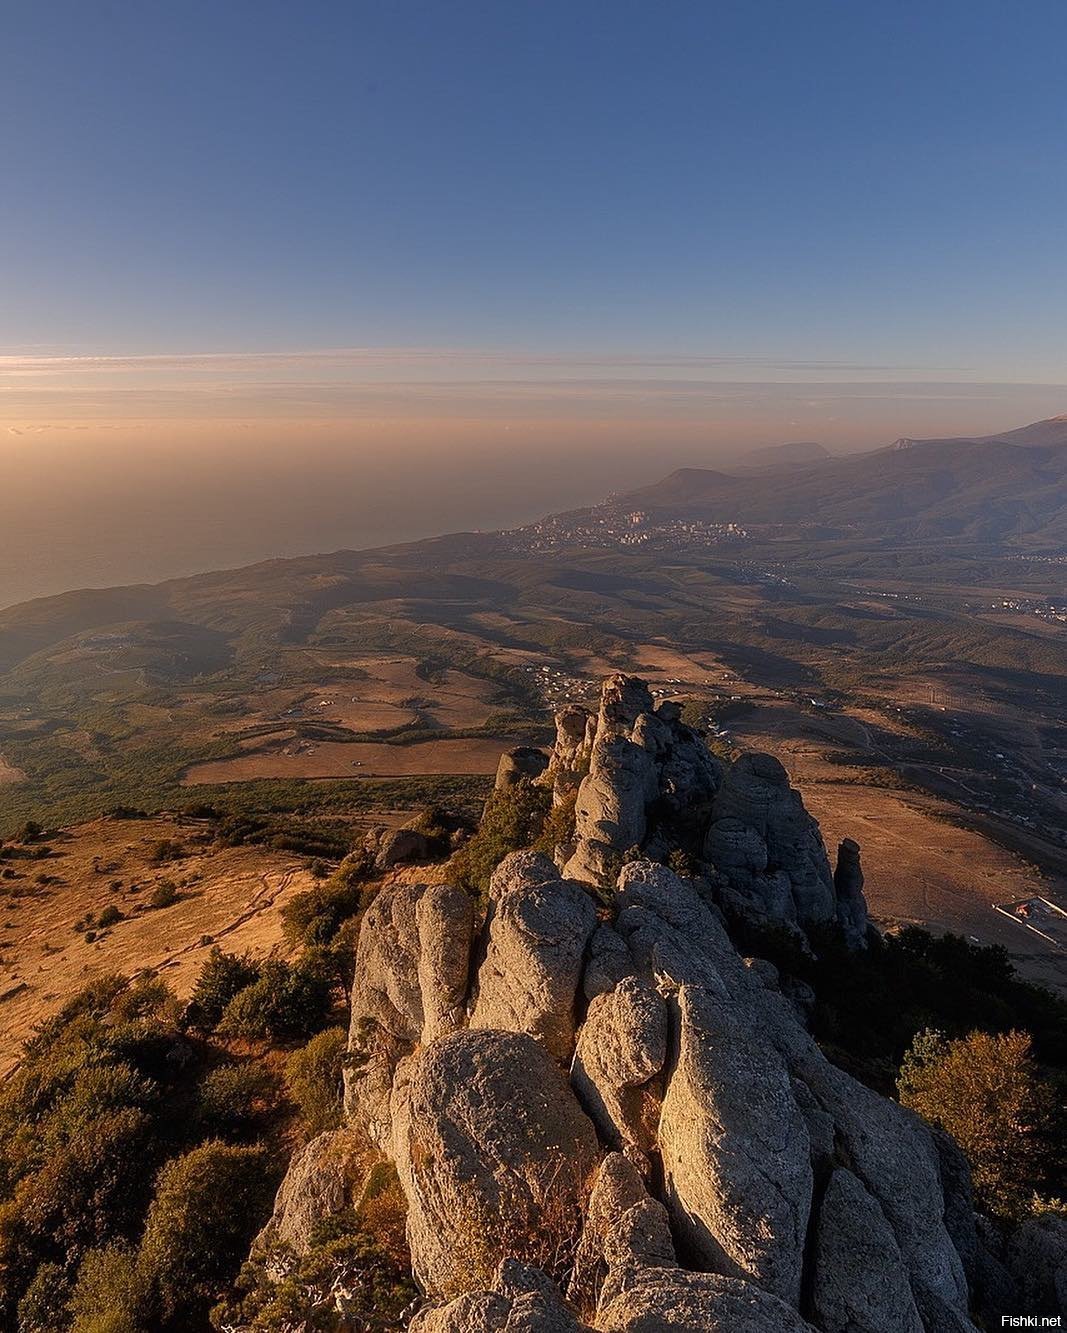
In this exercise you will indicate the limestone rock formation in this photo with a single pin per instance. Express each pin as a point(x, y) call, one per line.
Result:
point(768, 846)
point(860, 1282)
point(736, 1152)
point(524, 763)
point(538, 928)
point(603, 1117)
point(521, 1300)
point(410, 985)
point(493, 1154)
point(623, 1045)
point(315, 1188)
point(649, 777)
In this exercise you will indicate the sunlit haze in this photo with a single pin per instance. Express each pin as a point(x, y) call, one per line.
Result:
point(283, 279)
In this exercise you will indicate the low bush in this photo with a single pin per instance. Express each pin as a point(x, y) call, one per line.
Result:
point(235, 1099)
point(165, 894)
point(315, 916)
point(313, 1077)
point(288, 1002)
point(222, 976)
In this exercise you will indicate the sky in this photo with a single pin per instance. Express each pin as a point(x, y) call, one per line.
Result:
point(280, 277)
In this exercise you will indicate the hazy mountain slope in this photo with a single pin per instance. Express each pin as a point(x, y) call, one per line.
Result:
point(793, 454)
point(981, 490)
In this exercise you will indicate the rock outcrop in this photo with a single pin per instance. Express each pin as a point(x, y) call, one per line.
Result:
point(493, 1154)
point(521, 764)
point(603, 1117)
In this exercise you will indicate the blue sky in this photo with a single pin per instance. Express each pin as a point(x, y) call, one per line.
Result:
point(879, 184)
point(278, 277)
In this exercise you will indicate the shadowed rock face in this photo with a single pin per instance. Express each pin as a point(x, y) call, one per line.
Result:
point(612, 1099)
point(523, 763)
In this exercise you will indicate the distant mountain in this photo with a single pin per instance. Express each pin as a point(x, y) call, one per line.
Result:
point(1003, 488)
point(793, 454)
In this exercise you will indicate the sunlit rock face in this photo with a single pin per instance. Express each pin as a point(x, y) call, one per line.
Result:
point(602, 1117)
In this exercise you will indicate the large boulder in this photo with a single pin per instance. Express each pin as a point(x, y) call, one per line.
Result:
point(621, 1047)
point(386, 1006)
point(316, 1186)
point(494, 1156)
point(410, 985)
point(539, 925)
point(674, 938)
point(521, 1300)
point(444, 917)
point(671, 1300)
point(523, 763)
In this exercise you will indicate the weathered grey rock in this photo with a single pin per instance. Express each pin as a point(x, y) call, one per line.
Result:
point(539, 925)
point(523, 763)
point(673, 937)
point(736, 1152)
point(622, 701)
point(860, 1283)
point(386, 1007)
point(569, 761)
point(399, 845)
point(315, 1187)
point(1036, 1255)
point(612, 802)
point(616, 1188)
point(521, 1300)
point(444, 918)
point(894, 1155)
point(609, 962)
point(493, 1153)
point(670, 1300)
point(848, 889)
point(755, 794)
point(622, 1045)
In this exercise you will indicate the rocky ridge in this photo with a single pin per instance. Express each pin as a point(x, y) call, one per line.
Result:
point(601, 1115)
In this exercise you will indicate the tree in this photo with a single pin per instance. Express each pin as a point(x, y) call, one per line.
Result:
point(984, 1090)
point(222, 976)
point(287, 1002)
point(208, 1205)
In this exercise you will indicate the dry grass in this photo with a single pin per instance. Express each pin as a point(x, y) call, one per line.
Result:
point(229, 895)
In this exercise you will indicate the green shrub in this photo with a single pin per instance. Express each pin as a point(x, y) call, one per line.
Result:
point(109, 1295)
point(513, 819)
point(235, 1099)
point(315, 916)
point(208, 1205)
point(289, 1002)
point(222, 976)
point(44, 1307)
point(346, 1254)
point(165, 894)
point(313, 1076)
point(110, 916)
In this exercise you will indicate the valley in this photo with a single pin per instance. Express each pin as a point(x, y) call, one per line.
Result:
point(917, 687)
